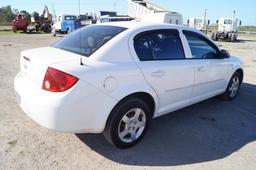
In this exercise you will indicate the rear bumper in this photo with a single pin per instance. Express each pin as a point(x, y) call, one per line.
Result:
point(81, 109)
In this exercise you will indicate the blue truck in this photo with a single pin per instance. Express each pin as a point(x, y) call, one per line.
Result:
point(65, 24)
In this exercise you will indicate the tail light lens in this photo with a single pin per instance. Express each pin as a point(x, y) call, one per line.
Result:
point(58, 81)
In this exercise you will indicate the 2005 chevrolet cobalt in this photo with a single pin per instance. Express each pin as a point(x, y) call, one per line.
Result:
point(114, 78)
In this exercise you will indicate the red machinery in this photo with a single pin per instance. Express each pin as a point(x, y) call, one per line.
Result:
point(19, 23)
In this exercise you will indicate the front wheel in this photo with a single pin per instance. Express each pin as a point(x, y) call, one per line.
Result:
point(233, 87)
point(69, 31)
point(53, 32)
point(128, 123)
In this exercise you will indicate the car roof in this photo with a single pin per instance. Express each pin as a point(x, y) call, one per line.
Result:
point(136, 24)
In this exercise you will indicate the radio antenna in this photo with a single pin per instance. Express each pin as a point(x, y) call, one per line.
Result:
point(80, 36)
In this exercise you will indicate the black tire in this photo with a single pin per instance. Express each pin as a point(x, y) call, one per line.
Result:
point(214, 36)
point(115, 120)
point(232, 37)
point(229, 37)
point(227, 94)
point(69, 30)
point(53, 32)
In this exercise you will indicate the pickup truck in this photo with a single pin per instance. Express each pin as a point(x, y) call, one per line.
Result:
point(65, 24)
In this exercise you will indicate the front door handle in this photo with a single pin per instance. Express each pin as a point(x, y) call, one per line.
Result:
point(158, 74)
point(201, 68)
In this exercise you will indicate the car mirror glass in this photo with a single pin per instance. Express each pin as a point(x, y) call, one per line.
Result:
point(223, 54)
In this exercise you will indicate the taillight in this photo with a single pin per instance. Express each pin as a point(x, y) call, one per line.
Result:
point(58, 81)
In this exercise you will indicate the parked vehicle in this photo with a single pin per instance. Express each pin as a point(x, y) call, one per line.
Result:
point(42, 22)
point(107, 18)
point(65, 24)
point(19, 23)
point(227, 29)
point(87, 19)
point(145, 11)
point(113, 78)
point(163, 17)
point(200, 24)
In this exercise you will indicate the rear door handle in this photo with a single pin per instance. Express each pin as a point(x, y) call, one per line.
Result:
point(201, 68)
point(158, 74)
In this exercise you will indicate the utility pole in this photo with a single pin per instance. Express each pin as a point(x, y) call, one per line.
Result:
point(115, 6)
point(234, 18)
point(205, 14)
point(54, 13)
point(79, 7)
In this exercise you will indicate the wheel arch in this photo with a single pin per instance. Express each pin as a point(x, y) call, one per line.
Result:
point(145, 96)
point(241, 72)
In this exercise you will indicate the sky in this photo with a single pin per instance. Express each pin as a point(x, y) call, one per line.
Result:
point(245, 9)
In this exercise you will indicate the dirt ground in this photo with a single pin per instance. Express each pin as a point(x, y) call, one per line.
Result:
point(210, 135)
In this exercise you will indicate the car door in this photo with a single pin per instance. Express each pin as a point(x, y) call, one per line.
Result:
point(210, 69)
point(162, 61)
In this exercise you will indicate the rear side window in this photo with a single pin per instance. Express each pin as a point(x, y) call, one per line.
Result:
point(159, 45)
point(89, 39)
point(200, 47)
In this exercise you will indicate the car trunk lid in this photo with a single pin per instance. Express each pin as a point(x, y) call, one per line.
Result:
point(34, 63)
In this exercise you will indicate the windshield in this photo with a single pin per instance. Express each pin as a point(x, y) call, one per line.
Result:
point(89, 39)
point(228, 21)
point(198, 21)
point(70, 17)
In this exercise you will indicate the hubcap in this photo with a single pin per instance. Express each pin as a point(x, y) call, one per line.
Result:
point(233, 89)
point(132, 125)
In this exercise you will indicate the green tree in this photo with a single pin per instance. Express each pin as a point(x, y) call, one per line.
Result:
point(27, 16)
point(6, 15)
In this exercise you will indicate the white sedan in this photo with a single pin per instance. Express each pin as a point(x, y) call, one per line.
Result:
point(114, 78)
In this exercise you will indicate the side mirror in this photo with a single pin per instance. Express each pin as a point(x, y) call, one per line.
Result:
point(188, 21)
point(217, 21)
point(223, 54)
point(208, 22)
point(240, 23)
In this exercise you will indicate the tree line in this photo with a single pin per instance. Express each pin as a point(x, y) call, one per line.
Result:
point(7, 14)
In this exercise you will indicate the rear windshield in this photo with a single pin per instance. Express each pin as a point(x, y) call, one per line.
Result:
point(89, 39)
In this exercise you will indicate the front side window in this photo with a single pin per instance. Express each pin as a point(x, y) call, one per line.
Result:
point(103, 20)
point(198, 21)
point(228, 21)
point(200, 47)
point(89, 39)
point(159, 45)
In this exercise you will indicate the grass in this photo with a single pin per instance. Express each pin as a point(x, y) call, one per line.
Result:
point(242, 28)
point(248, 28)
point(4, 33)
point(10, 33)
point(247, 36)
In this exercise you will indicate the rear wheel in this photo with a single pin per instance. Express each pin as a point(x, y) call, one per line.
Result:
point(233, 87)
point(233, 37)
point(25, 30)
point(127, 123)
point(214, 36)
point(14, 29)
